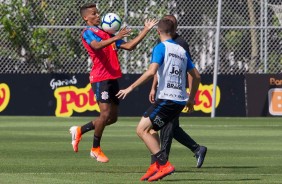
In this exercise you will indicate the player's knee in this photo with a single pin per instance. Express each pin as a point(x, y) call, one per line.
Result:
point(105, 117)
point(112, 120)
point(139, 132)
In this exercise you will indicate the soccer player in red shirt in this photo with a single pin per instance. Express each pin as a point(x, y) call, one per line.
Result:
point(102, 49)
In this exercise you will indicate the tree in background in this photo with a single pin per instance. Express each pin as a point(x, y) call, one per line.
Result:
point(37, 33)
point(254, 42)
point(33, 44)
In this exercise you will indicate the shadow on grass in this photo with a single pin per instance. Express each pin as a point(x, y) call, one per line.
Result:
point(207, 180)
point(216, 167)
point(188, 170)
point(231, 167)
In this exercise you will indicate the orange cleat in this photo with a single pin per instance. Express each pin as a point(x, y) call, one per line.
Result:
point(98, 154)
point(75, 132)
point(153, 169)
point(164, 170)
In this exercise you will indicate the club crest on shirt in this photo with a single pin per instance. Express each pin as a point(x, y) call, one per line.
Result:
point(94, 29)
point(105, 95)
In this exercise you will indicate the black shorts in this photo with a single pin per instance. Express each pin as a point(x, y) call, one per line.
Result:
point(162, 112)
point(105, 91)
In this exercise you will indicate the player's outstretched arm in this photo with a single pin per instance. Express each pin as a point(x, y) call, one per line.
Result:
point(149, 24)
point(124, 32)
point(144, 78)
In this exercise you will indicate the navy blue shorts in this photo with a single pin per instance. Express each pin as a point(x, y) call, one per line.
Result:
point(162, 112)
point(105, 91)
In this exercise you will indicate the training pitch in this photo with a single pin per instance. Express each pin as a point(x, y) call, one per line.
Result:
point(38, 150)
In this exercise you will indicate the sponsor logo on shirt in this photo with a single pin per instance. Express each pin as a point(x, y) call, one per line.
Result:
point(174, 86)
point(175, 71)
point(176, 56)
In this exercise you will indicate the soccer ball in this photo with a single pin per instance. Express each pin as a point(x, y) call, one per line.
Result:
point(111, 23)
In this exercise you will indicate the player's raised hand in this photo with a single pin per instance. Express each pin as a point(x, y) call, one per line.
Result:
point(124, 92)
point(124, 32)
point(150, 23)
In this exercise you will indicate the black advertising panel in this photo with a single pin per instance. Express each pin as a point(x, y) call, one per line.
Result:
point(230, 99)
point(65, 95)
point(232, 96)
point(264, 94)
point(33, 94)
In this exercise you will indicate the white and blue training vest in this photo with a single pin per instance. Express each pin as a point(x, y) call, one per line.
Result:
point(174, 62)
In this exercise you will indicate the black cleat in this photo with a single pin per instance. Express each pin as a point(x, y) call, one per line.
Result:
point(200, 155)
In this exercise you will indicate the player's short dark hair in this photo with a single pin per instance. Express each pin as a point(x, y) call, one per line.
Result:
point(85, 7)
point(166, 26)
point(172, 18)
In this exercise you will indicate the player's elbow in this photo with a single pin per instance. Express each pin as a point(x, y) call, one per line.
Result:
point(128, 47)
point(194, 74)
point(131, 48)
point(198, 78)
point(95, 47)
point(151, 73)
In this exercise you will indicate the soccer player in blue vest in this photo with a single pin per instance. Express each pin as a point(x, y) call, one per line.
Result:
point(173, 130)
point(171, 63)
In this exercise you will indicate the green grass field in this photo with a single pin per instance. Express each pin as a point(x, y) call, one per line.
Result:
point(240, 150)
